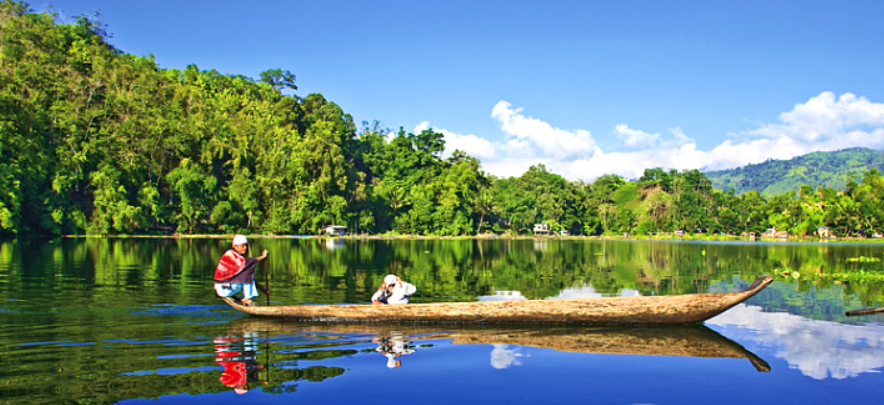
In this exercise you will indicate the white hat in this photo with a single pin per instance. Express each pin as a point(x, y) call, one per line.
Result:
point(390, 279)
point(240, 240)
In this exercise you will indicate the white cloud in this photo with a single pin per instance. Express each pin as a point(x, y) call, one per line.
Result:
point(634, 138)
point(528, 136)
point(470, 144)
point(823, 119)
point(823, 123)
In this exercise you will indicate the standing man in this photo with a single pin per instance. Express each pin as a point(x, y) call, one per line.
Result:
point(235, 273)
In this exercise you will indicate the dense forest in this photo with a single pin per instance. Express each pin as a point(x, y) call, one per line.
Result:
point(828, 169)
point(95, 140)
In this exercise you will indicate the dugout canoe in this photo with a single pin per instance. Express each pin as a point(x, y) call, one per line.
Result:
point(607, 311)
point(696, 341)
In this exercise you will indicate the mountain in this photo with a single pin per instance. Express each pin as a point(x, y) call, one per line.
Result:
point(827, 169)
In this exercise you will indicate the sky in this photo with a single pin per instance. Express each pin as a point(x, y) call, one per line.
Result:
point(584, 87)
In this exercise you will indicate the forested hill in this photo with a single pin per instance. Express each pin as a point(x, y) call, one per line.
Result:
point(94, 140)
point(827, 169)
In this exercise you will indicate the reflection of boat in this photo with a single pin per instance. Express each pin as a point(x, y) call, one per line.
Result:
point(680, 341)
point(651, 310)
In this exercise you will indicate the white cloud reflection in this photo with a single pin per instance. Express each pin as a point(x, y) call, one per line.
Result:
point(503, 296)
point(819, 349)
point(568, 293)
point(590, 292)
point(502, 358)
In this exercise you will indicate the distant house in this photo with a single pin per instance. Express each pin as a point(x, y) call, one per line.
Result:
point(782, 234)
point(564, 233)
point(679, 232)
point(769, 233)
point(823, 232)
point(541, 229)
point(335, 230)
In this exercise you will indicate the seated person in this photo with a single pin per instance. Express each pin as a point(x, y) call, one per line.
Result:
point(393, 291)
point(235, 273)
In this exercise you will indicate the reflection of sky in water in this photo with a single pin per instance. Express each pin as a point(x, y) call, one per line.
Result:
point(502, 358)
point(589, 292)
point(568, 293)
point(819, 349)
point(503, 296)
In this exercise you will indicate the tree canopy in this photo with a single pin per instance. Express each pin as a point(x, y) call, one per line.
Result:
point(95, 140)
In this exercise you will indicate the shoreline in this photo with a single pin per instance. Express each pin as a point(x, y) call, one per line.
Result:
point(655, 238)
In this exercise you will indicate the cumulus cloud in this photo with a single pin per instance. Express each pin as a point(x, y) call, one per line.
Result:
point(527, 136)
point(823, 118)
point(470, 144)
point(823, 123)
point(634, 138)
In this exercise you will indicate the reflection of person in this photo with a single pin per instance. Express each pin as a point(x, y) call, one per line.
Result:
point(392, 348)
point(235, 273)
point(393, 291)
point(237, 356)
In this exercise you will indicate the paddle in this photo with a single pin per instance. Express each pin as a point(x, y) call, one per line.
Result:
point(266, 279)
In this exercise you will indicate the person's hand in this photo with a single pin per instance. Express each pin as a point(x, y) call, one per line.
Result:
point(398, 279)
point(264, 254)
point(375, 303)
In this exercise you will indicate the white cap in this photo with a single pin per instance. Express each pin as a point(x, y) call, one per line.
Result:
point(240, 240)
point(390, 279)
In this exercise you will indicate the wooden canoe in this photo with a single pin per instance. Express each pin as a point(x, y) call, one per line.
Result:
point(678, 341)
point(608, 311)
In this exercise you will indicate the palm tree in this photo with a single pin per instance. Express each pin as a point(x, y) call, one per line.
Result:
point(484, 203)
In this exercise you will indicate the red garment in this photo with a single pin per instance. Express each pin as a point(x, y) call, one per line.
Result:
point(231, 264)
point(234, 373)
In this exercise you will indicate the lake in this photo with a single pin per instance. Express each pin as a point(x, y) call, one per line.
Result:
point(105, 320)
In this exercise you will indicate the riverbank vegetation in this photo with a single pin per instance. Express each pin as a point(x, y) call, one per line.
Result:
point(97, 141)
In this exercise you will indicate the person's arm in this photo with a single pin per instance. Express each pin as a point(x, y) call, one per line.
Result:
point(263, 255)
point(375, 299)
point(409, 288)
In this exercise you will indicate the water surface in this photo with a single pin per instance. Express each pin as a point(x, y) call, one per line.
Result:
point(135, 320)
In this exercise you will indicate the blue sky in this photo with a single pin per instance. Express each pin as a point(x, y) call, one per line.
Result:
point(584, 87)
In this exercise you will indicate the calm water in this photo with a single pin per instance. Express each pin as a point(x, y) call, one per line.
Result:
point(136, 321)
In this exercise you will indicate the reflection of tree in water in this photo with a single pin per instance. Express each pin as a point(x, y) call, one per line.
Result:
point(312, 374)
point(443, 270)
point(461, 270)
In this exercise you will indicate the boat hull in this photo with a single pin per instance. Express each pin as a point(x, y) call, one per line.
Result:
point(610, 311)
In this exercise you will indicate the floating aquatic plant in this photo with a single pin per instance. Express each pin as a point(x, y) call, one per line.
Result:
point(864, 259)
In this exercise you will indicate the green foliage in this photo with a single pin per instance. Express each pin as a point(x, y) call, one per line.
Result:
point(98, 141)
point(827, 169)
